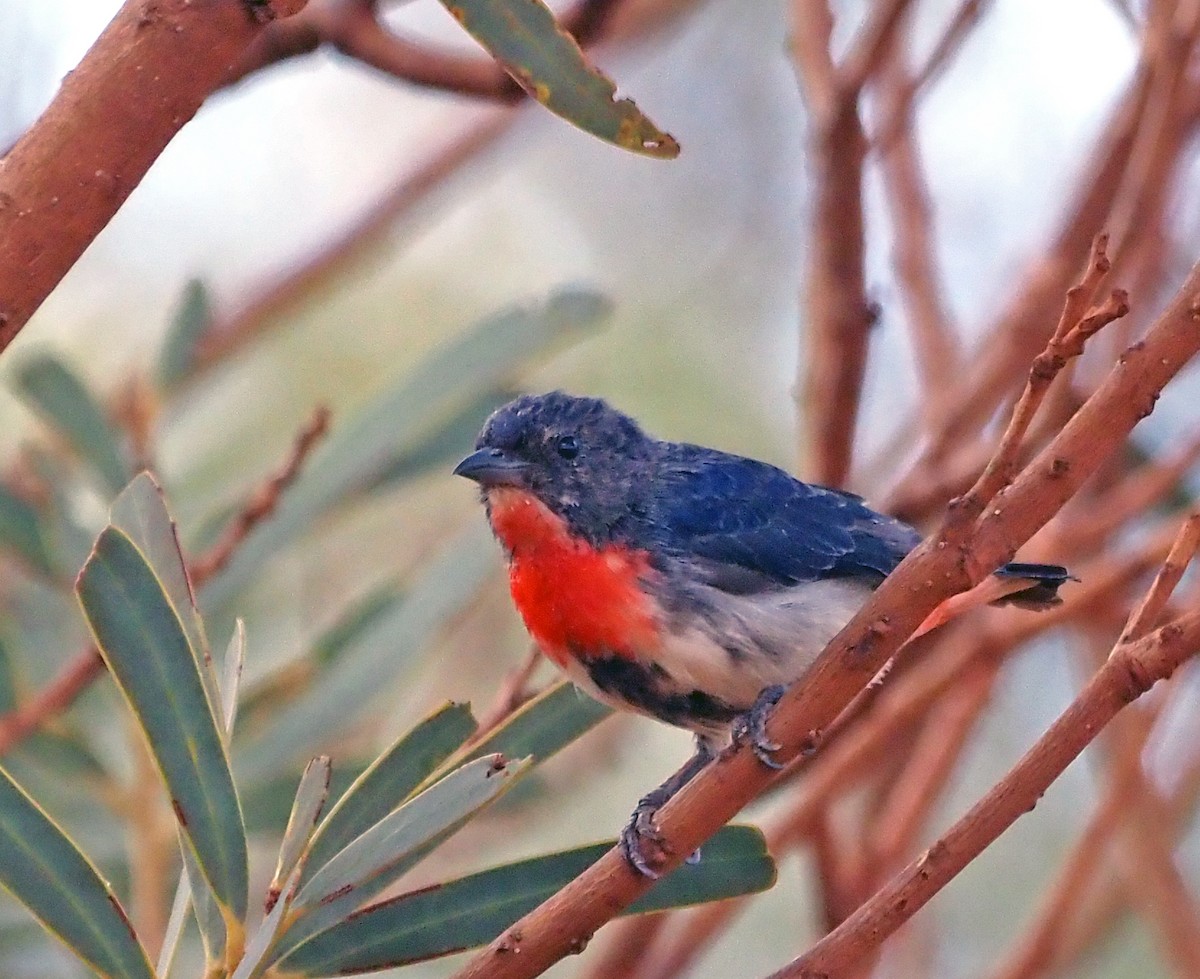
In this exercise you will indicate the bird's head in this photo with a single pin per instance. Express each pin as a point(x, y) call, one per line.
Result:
point(579, 457)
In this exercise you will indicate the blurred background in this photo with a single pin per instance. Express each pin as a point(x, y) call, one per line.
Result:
point(703, 260)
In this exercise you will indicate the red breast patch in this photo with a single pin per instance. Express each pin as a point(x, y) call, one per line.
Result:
point(575, 599)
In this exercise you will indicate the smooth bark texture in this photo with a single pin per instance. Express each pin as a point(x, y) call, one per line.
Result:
point(143, 79)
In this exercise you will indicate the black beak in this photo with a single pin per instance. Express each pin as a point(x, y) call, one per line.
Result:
point(493, 467)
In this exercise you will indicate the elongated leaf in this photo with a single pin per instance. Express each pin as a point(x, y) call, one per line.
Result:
point(364, 451)
point(473, 910)
point(45, 871)
point(21, 532)
point(545, 61)
point(187, 328)
point(62, 401)
point(390, 780)
point(395, 844)
point(140, 512)
point(146, 648)
point(180, 907)
point(540, 728)
point(306, 810)
point(209, 919)
point(374, 660)
point(67, 542)
point(231, 677)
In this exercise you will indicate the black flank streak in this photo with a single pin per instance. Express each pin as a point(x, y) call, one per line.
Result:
point(640, 687)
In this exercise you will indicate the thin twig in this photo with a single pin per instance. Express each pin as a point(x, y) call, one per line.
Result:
point(512, 693)
point(58, 695)
point(262, 502)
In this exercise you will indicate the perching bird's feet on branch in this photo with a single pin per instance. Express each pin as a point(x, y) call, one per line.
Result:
point(751, 727)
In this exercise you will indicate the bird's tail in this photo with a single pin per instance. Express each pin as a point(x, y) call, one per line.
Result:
point(1042, 582)
point(1031, 586)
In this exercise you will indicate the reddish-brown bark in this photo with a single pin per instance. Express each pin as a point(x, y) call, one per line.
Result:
point(143, 79)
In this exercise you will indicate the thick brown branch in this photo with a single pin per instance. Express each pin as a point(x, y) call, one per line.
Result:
point(142, 80)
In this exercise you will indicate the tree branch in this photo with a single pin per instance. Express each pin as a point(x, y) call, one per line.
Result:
point(1133, 667)
point(143, 79)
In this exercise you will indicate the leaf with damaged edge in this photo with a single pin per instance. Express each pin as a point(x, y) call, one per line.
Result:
point(471, 911)
point(63, 402)
point(147, 651)
point(43, 869)
point(140, 512)
point(294, 851)
point(390, 779)
point(395, 844)
point(550, 66)
point(538, 729)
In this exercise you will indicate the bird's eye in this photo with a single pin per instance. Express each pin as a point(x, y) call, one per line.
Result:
point(567, 446)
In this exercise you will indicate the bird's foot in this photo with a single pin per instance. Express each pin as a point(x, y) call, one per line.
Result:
point(751, 727)
point(641, 841)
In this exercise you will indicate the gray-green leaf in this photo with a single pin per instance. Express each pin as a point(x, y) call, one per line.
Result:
point(44, 870)
point(471, 911)
point(142, 639)
point(389, 780)
point(63, 402)
point(547, 62)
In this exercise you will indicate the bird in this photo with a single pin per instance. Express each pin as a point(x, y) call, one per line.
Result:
point(681, 582)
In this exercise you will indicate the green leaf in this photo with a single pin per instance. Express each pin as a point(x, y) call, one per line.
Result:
point(540, 728)
point(471, 911)
point(392, 777)
point(209, 918)
point(140, 512)
point(395, 844)
point(21, 531)
point(147, 651)
point(369, 448)
point(549, 65)
point(45, 871)
point(306, 810)
point(189, 323)
point(63, 402)
point(373, 661)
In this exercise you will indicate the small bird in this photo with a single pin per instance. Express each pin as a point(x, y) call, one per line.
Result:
point(677, 581)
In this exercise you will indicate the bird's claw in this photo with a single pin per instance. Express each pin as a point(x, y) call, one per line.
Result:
point(640, 830)
point(751, 727)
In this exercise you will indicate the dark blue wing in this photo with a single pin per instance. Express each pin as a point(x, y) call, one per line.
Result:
point(748, 525)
